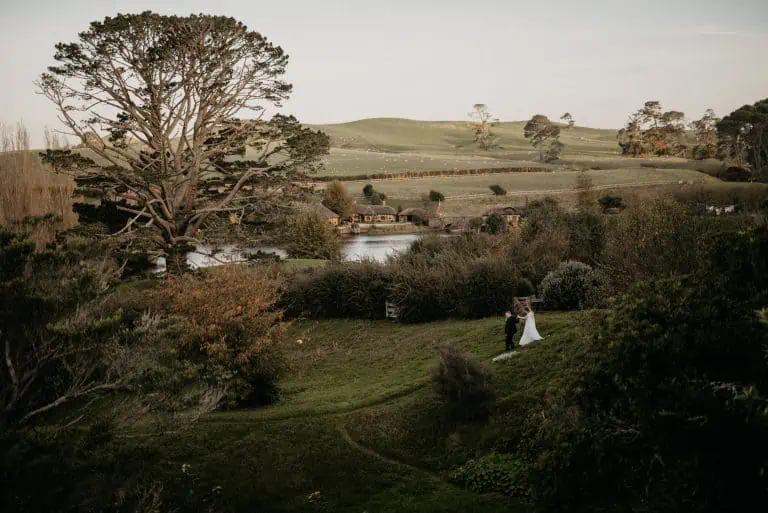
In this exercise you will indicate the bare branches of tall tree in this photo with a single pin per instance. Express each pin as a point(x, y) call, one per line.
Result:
point(482, 125)
point(171, 113)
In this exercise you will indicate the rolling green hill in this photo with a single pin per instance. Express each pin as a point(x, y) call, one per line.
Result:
point(359, 427)
point(391, 144)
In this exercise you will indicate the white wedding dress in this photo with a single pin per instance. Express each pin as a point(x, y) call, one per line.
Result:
point(530, 334)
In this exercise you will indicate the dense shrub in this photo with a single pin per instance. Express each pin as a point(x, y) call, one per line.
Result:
point(427, 289)
point(230, 330)
point(543, 216)
point(309, 235)
point(496, 224)
point(498, 190)
point(59, 345)
point(572, 286)
point(586, 236)
point(76, 470)
point(463, 383)
point(735, 174)
point(749, 198)
point(655, 239)
point(611, 202)
point(349, 290)
point(542, 254)
point(669, 412)
point(499, 473)
point(462, 246)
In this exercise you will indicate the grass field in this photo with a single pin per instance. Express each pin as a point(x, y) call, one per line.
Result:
point(384, 145)
point(359, 427)
point(522, 183)
point(388, 144)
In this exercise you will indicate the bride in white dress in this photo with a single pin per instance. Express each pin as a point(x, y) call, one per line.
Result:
point(530, 333)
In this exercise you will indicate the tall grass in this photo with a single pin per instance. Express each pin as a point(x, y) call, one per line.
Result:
point(27, 188)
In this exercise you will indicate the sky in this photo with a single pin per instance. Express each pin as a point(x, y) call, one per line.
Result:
point(434, 59)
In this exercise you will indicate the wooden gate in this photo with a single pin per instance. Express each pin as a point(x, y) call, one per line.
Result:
point(391, 310)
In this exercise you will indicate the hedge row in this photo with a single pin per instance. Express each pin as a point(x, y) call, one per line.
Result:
point(429, 174)
point(436, 279)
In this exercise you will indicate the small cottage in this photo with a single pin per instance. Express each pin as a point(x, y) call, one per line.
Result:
point(511, 214)
point(411, 215)
point(370, 214)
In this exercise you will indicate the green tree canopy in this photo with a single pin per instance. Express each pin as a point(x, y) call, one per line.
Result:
point(743, 137)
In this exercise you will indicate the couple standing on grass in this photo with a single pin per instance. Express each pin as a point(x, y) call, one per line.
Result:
point(530, 333)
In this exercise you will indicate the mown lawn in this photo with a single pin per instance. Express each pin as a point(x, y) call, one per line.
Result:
point(359, 427)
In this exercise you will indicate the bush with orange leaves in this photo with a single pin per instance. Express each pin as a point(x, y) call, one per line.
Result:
point(230, 329)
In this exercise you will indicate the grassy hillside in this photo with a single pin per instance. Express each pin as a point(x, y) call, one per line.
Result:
point(389, 144)
point(359, 427)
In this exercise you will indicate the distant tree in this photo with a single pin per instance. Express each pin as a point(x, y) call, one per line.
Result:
point(650, 130)
point(337, 198)
point(368, 190)
point(705, 130)
point(378, 198)
point(172, 109)
point(436, 196)
point(743, 138)
point(631, 137)
point(498, 190)
point(554, 150)
point(568, 119)
point(673, 130)
point(544, 136)
point(484, 121)
point(496, 224)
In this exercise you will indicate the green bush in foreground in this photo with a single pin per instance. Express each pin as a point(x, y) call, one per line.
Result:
point(500, 473)
point(669, 413)
point(355, 290)
point(572, 286)
point(463, 383)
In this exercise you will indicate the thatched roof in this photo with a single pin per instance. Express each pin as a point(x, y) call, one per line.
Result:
point(375, 210)
point(317, 207)
point(415, 211)
point(506, 211)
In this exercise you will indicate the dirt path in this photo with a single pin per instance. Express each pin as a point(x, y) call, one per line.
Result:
point(378, 456)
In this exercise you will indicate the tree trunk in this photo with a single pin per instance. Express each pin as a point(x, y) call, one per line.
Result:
point(176, 259)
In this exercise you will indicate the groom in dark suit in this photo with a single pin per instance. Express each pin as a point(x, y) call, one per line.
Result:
point(510, 329)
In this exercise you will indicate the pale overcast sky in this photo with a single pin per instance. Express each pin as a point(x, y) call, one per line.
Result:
point(433, 59)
